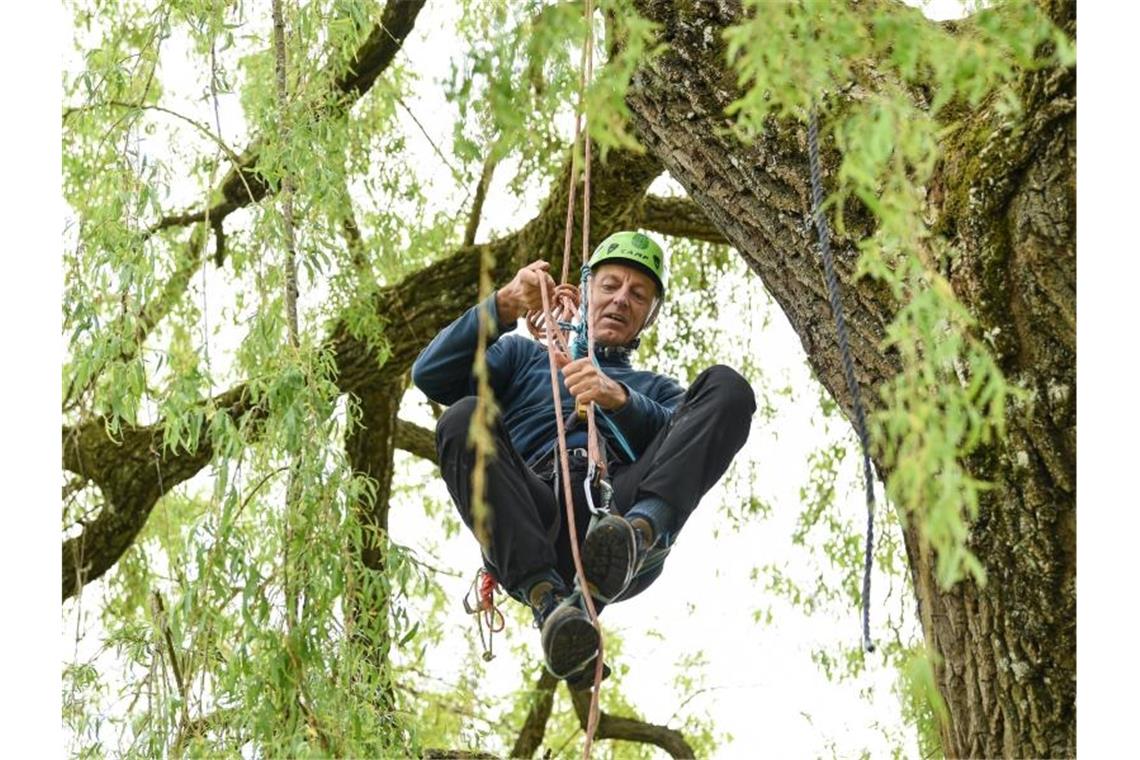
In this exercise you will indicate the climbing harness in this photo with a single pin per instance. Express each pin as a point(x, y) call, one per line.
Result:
point(848, 365)
point(487, 613)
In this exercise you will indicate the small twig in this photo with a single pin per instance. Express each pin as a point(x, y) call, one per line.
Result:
point(690, 698)
point(164, 626)
point(449, 706)
point(455, 172)
point(410, 553)
point(473, 220)
point(161, 109)
point(74, 486)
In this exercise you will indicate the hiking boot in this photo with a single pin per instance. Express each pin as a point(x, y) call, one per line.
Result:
point(610, 557)
point(569, 639)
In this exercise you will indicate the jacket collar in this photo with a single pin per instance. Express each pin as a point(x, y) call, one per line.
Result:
point(615, 356)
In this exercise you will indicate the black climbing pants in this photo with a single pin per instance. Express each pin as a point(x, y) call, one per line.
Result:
point(528, 535)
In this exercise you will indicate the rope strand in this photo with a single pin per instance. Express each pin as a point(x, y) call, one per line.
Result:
point(848, 365)
point(568, 500)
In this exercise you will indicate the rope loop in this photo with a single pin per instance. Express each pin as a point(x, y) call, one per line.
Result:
point(565, 301)
point(487, 614)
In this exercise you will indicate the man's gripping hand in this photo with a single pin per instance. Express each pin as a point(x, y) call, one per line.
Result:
point(588, 383)
point(523, 293)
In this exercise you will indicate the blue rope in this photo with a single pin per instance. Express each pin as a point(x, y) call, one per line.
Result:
point(581, 346)
point(848, 366)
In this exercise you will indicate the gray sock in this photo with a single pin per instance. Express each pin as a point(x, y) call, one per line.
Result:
point(655, 512)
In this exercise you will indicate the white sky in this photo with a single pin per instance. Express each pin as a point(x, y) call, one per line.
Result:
point(766, 679)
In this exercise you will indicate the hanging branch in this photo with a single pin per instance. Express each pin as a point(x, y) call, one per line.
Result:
point(293, 486)
point(473, 220)
point(244, 184)
point(286, 181)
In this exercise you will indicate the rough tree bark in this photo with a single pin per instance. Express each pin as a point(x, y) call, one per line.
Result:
point(533, 729)
point(1005, 195)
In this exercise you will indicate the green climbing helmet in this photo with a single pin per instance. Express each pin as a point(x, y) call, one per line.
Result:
point(634, 248)
point(640, 251)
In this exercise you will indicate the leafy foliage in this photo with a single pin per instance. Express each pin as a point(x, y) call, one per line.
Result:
point(950, 396)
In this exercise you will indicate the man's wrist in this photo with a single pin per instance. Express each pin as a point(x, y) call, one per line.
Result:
point(621, 398)
point(505, 306)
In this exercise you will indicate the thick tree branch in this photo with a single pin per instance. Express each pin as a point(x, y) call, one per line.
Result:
point(133, 470)
point(678, 217)
point(244, 185)
point(370, 446)
point(631, 729)
point(416, 440)
point(533, 730)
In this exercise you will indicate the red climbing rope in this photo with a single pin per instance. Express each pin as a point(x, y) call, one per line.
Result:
point(493, 616)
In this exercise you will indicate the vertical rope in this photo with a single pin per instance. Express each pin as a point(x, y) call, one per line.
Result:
point(574, 167)
point(593, 449)
point(549, 328)
point(571, 523)
point(848, 365)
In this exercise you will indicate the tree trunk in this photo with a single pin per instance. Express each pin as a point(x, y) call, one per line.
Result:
point(371, 447)
point(1005, 195)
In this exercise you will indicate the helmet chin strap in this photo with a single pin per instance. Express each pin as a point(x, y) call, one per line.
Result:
point(653, 311)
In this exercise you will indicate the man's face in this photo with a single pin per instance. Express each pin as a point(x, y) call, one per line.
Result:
point(620, 300)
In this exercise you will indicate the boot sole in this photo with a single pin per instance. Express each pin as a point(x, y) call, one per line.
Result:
point(571, 643)
point(607, 557)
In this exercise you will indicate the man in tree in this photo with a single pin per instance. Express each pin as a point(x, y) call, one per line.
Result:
point(666, 446)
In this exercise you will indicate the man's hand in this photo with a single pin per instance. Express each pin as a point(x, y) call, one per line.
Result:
point(588, 383)
point(522, 294)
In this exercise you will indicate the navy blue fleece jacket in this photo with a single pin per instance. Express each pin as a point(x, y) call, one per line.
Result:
point(519, 372)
